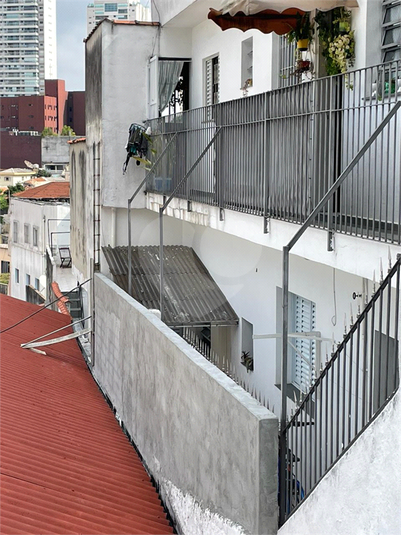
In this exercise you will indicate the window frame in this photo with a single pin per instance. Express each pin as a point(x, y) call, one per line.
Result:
point(27, 228)
point(35, 236)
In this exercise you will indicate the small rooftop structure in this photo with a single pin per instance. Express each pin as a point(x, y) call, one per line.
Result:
point(66, 466)
point(192, 297)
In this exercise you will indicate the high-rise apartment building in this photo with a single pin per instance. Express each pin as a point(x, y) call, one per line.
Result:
point(131, 10)
point(28, 51)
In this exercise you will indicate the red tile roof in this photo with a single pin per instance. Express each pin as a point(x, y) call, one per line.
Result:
point(66, 466)
point(51, 190)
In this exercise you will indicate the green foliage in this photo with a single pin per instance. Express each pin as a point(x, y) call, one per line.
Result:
point(4, 198)
point(336, 39)
point(303, 29)
point(43, 172)
point(48, 132)
point(4, 278)
point(67, 131)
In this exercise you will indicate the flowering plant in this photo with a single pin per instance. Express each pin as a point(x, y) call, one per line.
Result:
point(341, 52)
point(336, 39)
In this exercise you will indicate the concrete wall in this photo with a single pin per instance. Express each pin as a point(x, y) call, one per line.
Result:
point(210, 446)
point(361, 494)
point(55, 149)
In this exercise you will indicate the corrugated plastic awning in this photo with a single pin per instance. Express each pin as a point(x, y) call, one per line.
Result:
point(191, 296)
point(66, 466)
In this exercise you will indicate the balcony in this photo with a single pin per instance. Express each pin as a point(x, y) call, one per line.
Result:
point(276, 154)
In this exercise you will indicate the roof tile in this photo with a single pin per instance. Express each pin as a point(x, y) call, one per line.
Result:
point(66, 466)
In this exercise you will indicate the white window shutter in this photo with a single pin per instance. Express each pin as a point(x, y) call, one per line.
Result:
point(304, 317)
point(209, 82)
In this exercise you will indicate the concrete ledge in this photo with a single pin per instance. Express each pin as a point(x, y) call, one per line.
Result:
point(205, 440)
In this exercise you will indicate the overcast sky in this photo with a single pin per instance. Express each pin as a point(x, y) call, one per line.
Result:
point(71, 31)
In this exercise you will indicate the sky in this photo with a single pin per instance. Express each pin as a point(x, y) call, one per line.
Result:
point(71, 31)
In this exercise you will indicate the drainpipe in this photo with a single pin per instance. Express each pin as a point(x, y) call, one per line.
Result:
point(113, 227)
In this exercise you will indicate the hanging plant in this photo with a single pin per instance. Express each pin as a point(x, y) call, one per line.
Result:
point(302, 34)
point(336, 39)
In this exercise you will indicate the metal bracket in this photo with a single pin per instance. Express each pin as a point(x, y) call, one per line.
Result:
point(222, 214)
point(189, 206)
point(266, 224)
point(330, 240)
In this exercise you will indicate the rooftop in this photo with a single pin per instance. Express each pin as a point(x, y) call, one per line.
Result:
point(66, 466)
point(51, 190)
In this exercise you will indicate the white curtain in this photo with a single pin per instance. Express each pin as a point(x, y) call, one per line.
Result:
point(169, 74)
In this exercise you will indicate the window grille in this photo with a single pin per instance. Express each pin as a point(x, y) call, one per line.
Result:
point(287, 63)
point(303, 350)
point(16, 275)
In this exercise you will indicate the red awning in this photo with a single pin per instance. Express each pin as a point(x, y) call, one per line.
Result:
point(266, 21)
point(250, 7)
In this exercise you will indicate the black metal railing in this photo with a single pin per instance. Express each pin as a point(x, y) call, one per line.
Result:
point(279, 152)
point(356, 383)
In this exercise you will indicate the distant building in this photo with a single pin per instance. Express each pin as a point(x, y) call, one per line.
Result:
point(28, 52)
point(99, 10)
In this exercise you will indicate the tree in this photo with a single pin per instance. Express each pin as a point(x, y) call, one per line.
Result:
point(48, 131)
point(67, 131)
point(7, 194)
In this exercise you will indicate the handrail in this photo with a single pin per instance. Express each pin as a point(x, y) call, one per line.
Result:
point(138, 189)
point(286, 251)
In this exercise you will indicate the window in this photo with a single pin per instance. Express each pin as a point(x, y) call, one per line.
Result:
point(16, 274)
point(26, 233)
point(247, 63)
point(391, 35)
point(303, 353)
point(15, 232)
point(110, 7)
point(35, 236)
point(5, 266)
point(27, 279)
point(36, 284)
point(212, 77)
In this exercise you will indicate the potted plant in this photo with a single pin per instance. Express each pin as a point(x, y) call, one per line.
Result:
point(302, 34)
point(336, 39)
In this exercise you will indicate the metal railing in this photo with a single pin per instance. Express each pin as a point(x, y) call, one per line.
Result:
point(279, 152)
point(356, 383)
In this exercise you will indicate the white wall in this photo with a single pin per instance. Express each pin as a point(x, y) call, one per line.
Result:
point(125, 51)
point(361, 494)
point(208, 40)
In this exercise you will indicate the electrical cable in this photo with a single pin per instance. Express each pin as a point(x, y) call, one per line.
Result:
point(40, 309)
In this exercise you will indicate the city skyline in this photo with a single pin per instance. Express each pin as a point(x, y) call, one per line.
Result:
point(71, 32)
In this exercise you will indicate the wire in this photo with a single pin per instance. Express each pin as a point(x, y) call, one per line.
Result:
point(40, 310)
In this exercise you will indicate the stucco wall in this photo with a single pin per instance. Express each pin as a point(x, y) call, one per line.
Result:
point(361, 494)
point(81, 210)
point(55, 149)
point(204, 439)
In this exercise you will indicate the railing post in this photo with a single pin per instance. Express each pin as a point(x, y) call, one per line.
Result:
point(129, 249)
point(161, 254)
point(284, 380)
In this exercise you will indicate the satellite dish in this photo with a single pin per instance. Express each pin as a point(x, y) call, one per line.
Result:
point(31, 165)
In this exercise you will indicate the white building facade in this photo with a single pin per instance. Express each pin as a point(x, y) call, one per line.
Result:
point(39, 228)
point(245, 165)
point(28, 46)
